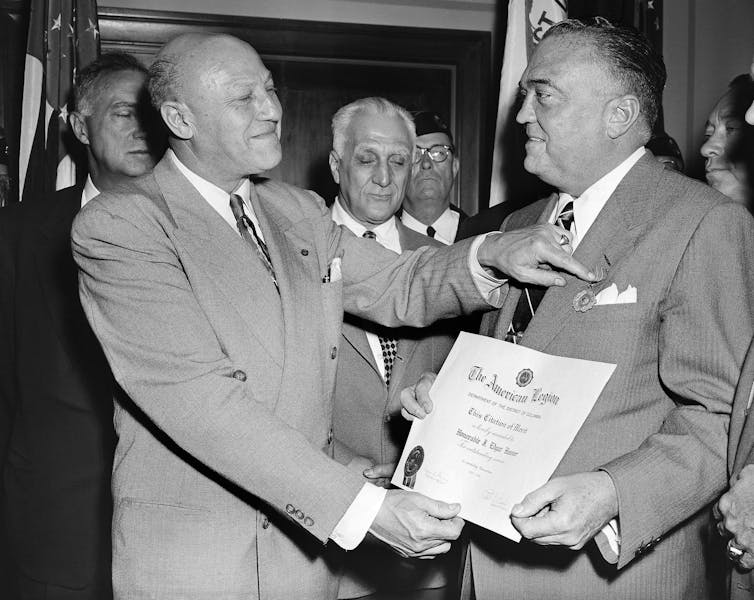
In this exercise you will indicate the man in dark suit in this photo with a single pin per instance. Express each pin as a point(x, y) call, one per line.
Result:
point(625, 512)
point(375, 362)
point(55, 384)
point(426, 206)
point(735, 509)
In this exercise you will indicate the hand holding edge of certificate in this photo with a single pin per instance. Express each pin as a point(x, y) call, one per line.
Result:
point(499, 419)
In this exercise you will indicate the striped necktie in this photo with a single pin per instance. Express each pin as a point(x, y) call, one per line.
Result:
point(388, 344)
point(531, 296)
point(249, 233)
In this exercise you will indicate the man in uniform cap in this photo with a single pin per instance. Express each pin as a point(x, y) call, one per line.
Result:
point(426, 207)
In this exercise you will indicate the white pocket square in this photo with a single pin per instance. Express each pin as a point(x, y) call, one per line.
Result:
point(333, 271)
point(610, 295)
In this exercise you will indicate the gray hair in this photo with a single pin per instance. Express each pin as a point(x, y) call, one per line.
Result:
point(90, 78)
point(371, 106)
point(164, 80)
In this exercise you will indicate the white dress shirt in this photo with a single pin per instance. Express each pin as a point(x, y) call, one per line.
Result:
point(586, 209)
point(445, 226)
point(218, 198)
point(90, 191)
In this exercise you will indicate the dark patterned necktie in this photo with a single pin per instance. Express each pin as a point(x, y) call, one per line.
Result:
point(431, 231)
point(249, 233)
point(389, 345)
point(531, 296)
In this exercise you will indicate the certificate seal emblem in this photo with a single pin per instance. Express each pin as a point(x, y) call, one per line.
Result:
point(524, 377)
point(584, 300)
point(412, 465)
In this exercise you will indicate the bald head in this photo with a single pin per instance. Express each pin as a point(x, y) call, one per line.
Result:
point(220, 105)
point(182, 56)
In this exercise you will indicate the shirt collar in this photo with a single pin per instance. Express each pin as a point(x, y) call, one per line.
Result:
point(588, 206)
point(387, 232)
point(90, 191)
point(445, 226)
point(216, 197)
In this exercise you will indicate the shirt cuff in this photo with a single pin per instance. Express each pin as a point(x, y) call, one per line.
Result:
point(353, 526)
point(489, 287)
point(608, 541)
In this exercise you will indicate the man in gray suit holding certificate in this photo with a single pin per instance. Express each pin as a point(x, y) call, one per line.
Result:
point(218, 299)
point(627, 509)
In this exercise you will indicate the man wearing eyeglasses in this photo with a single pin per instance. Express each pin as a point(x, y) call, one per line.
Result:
point(426, 207)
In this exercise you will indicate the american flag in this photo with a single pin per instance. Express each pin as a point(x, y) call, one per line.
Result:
point(63, 38)
point(528, 20)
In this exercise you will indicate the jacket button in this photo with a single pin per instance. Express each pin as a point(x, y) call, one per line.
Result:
point(334, 352)
point(299, 514)
point(265, 523)
point(308, 521)
point(240, 375)
point(388, 418)
point(290, 509)
point(330, 436)
point(304, 252)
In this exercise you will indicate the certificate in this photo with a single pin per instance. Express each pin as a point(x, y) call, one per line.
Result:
point(503, 418)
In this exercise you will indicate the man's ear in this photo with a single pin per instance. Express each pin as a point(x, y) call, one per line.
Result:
point(177, 117)
point(622, 113)
point(334, 161)
point(455, 167)
point(79, 128)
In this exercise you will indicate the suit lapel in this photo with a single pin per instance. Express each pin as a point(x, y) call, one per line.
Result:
point(609, 240)
point(409, 240)
point(357, 338)
point(224, 257)
point(296, 260)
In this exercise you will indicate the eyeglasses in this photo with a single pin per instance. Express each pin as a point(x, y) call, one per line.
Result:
point(438, 153)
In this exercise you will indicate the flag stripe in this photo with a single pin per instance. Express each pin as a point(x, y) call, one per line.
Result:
point(31, 103)
point(527, 22)
point(63, 38)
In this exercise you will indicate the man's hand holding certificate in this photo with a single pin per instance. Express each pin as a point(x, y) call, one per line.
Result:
point(501, 418)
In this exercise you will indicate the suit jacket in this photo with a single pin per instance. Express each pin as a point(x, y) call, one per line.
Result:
point(659, 428)
point(367, 423)
point(740, 454)
point(57, 391)
point(489, 219)
point(224, 484)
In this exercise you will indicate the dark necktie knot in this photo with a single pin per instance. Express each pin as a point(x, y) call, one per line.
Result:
point(370, 235)
point(565, 218)
point(249, 234)
point(431, 231)
point(236, 207)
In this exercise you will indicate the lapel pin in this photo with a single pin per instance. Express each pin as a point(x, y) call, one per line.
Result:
point(586, 298)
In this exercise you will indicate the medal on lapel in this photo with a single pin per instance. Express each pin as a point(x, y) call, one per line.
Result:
point(585, 299)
